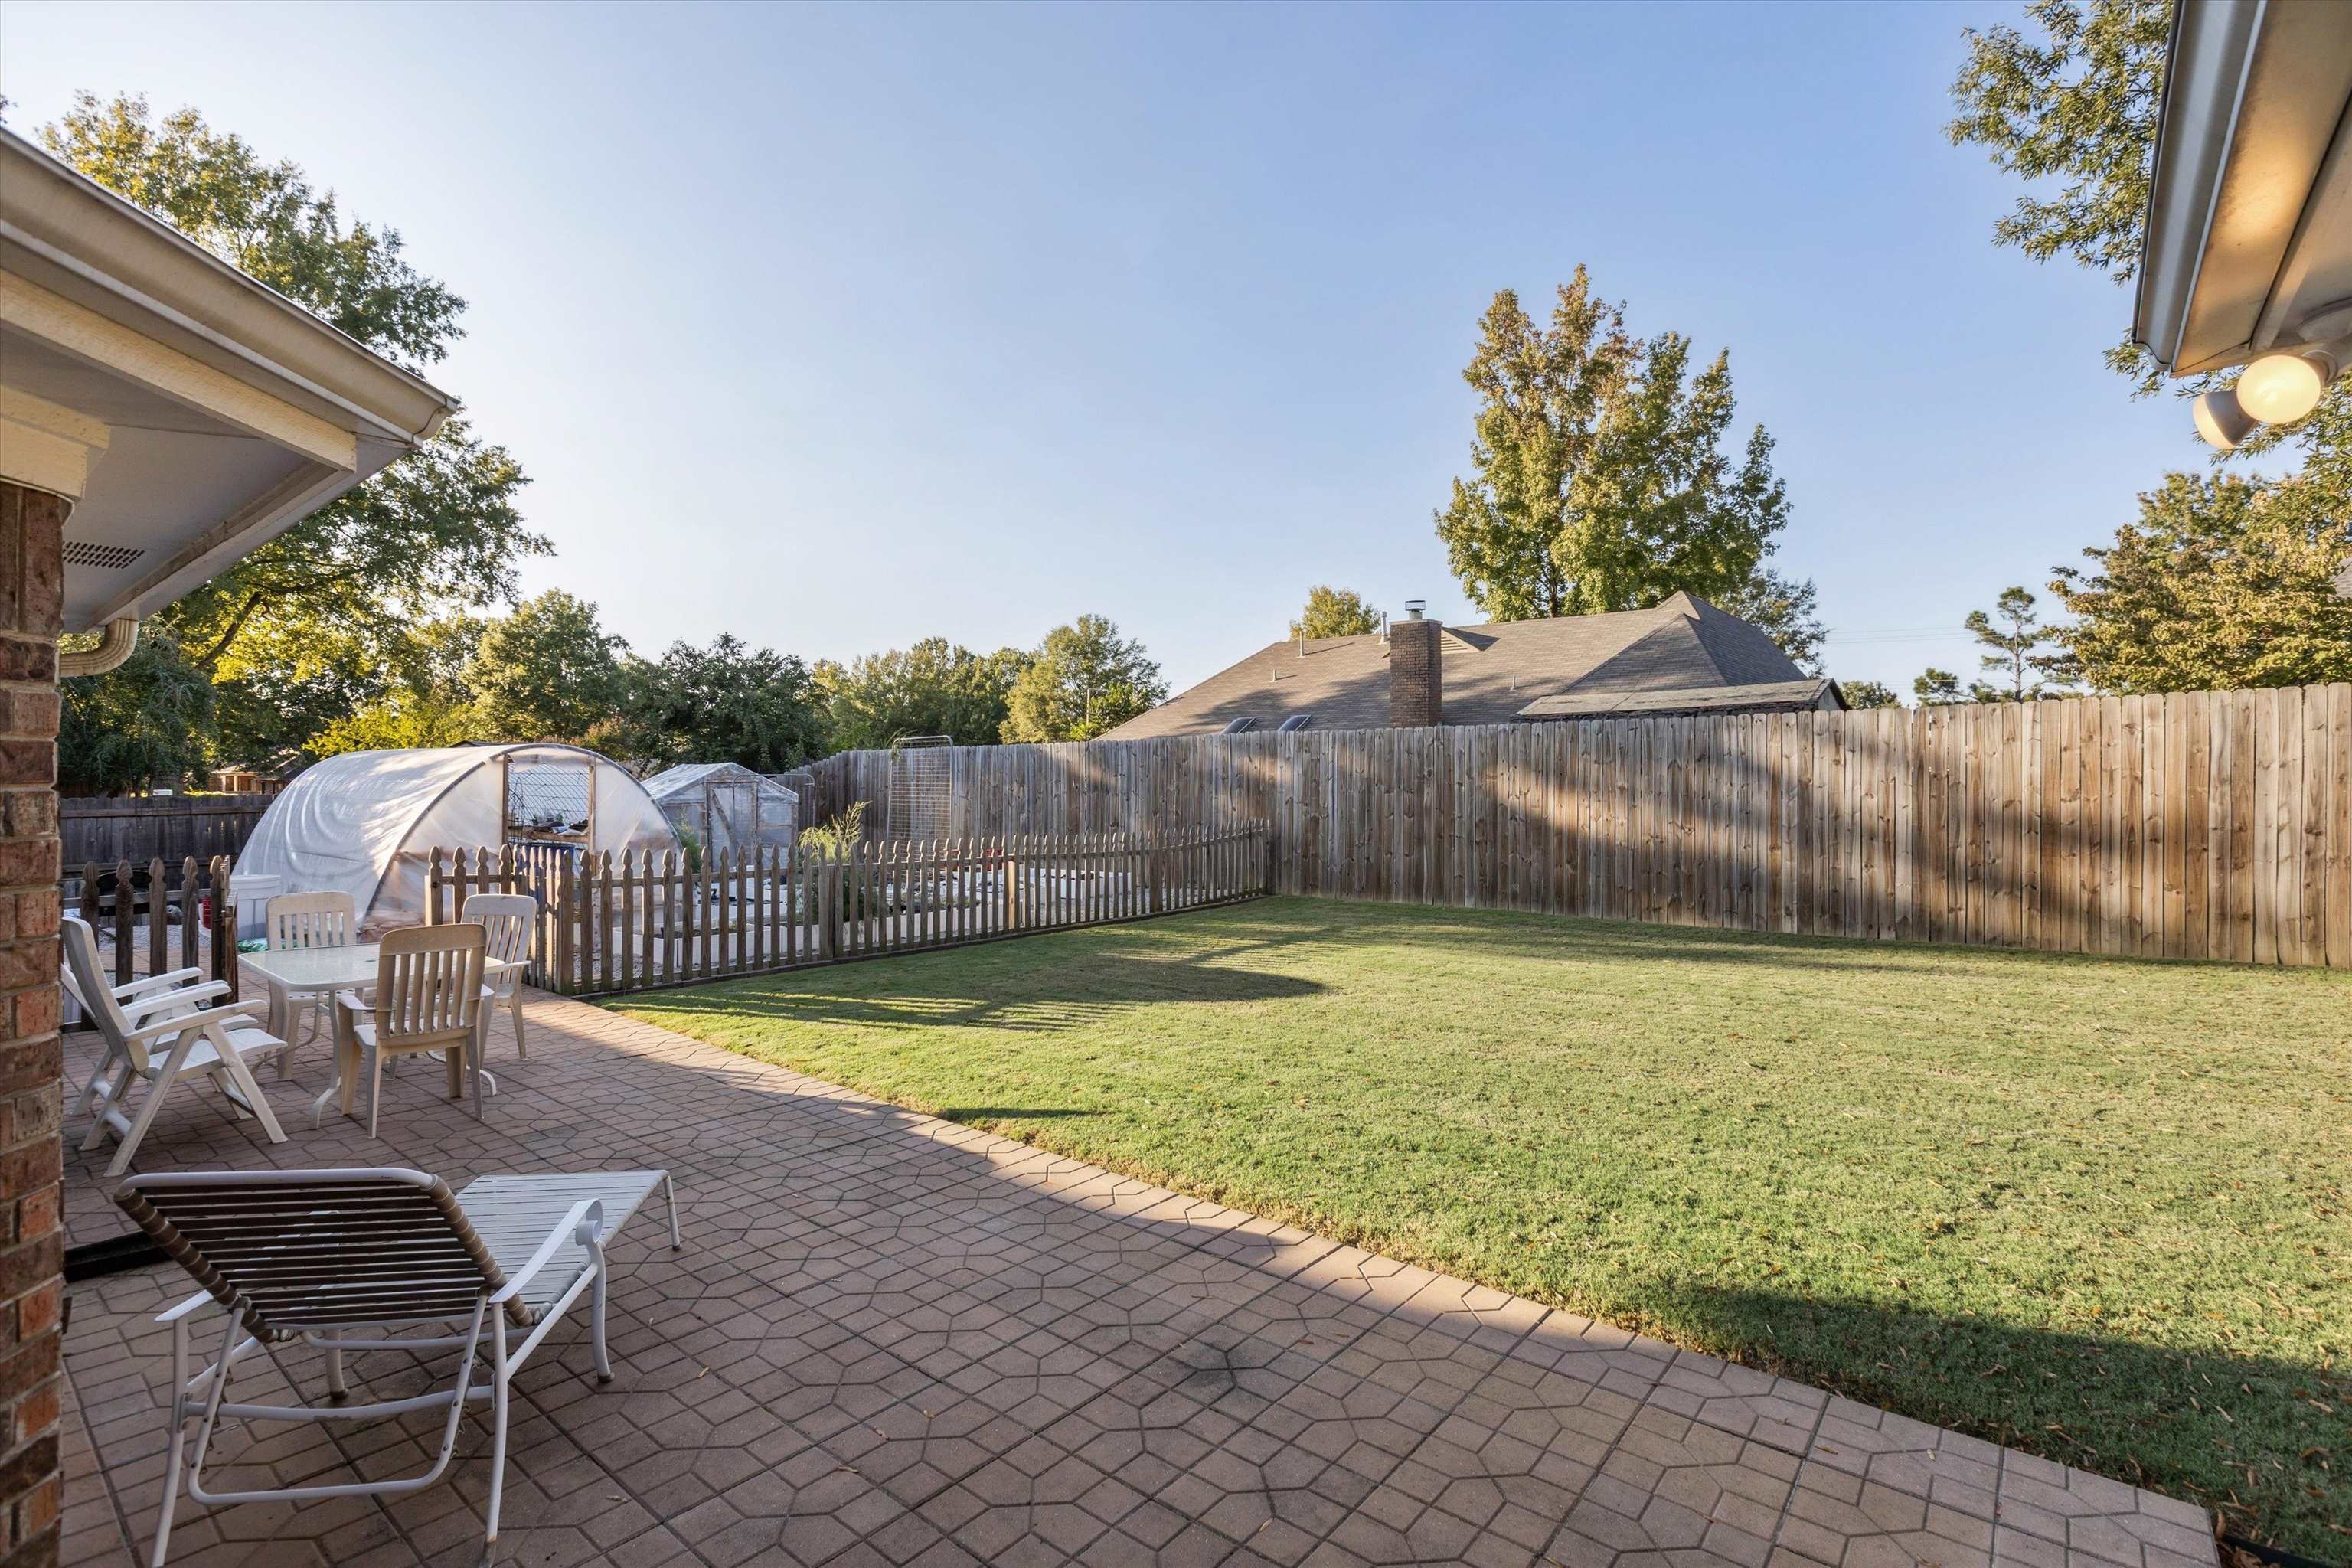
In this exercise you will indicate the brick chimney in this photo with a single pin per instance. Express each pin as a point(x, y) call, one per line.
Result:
point(1416, 670)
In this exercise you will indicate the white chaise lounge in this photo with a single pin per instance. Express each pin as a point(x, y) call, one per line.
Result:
point(342, 1258)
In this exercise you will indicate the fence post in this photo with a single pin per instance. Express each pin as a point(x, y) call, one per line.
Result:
point(563, 934)
point(828, 905)
point(225, 964)
point(125, 902)
point(191, 920)
point(158, 904)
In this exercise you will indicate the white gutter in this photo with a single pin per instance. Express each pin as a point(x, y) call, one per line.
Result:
point(62, 217)
point(2207, 60)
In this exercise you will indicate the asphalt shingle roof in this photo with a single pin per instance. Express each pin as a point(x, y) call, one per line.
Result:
point(1684, 646)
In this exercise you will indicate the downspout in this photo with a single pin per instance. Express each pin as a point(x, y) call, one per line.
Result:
point(114, 645)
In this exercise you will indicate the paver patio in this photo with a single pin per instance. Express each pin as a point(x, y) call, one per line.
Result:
point(895, 1340)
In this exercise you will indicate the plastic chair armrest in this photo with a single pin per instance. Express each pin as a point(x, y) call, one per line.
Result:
point(147, 983)
point(186, 996)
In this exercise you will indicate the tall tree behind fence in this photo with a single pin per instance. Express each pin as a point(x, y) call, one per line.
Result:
point(2198, 824)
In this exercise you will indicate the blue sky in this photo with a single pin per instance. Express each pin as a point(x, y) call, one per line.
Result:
point(836, 328)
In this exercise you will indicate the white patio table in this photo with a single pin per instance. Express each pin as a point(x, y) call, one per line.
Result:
point(291, 971)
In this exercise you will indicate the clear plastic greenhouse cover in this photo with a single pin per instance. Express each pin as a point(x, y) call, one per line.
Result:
point(727, 807)
point(365, 823)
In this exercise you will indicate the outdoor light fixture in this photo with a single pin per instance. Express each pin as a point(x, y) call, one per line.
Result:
point(2282, 386)
point(2278, 389)
point(2221, 421)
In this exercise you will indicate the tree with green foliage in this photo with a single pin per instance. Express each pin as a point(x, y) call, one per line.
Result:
point(1602, 478)
point(1784, 609)
point(930, 689)
point(1939, 689)
point(138, 727)
point(1085, 680)
point(1335, 613)
point(430, 701)
point(1861, 695)
point(549, 671)
point(2221, 583)
point(724, 703)
point(2076, 105)
point(2028, 655)
point(305, 629)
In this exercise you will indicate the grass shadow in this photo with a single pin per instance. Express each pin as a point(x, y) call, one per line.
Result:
point(2259, 1440)
point(1021, 994)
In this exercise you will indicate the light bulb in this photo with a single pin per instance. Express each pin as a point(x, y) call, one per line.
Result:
point(2279, 389)
point(2220, 421)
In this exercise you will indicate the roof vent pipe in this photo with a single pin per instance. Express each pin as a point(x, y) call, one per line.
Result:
point(1413, 608)
point(114, 645)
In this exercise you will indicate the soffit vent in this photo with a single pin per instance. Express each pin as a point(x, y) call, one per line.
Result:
point(105, 557)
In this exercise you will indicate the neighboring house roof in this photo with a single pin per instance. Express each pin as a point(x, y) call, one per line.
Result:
point(1492, 674)
point(1767, 697)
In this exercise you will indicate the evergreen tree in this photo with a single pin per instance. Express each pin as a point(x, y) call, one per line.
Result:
point(2025, 651)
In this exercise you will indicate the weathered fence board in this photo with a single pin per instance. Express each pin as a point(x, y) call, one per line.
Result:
point(140, 828)
point(2196, 824)
point(612, 924)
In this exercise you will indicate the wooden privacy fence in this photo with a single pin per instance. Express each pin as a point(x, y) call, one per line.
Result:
point(631, 922)
point(142, 827)
point(162, 907)
point(2197, 825)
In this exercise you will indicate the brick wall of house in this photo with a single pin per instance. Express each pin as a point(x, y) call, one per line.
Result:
point(1416, 674)
point(32, 1288)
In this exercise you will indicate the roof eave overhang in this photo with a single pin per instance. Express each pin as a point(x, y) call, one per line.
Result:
point(76, 239)
point(2251, 190)
point(95, 280)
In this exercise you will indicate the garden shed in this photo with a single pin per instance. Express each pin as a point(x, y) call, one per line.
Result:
point(727, 807)
point(365, 823)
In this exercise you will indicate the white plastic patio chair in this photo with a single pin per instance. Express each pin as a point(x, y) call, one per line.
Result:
point(169, 1011)
point(304, 921)
point(313, 1256)
point(428, 998)
point(506, 919)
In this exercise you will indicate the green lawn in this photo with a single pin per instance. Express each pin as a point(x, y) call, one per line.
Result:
point(2092, 1208)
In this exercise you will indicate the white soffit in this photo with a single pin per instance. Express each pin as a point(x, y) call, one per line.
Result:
point(2250, 215)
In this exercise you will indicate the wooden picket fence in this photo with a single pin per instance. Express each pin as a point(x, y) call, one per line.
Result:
point(126, 903)
point(609, 924)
